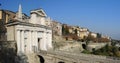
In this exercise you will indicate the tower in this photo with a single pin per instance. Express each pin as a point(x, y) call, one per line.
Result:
point(19, 13)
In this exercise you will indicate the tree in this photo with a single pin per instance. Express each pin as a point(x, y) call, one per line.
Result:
point(115, 50)
point(76, 31)
point(7, 52)
point(65, 30)
point(98, 35)
point(113, 43)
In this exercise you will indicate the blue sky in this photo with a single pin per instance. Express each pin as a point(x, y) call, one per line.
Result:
point(101, 16)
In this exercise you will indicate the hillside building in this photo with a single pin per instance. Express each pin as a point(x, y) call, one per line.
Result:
point(5, 16)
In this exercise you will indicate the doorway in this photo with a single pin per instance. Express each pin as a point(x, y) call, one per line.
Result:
point(39, 43)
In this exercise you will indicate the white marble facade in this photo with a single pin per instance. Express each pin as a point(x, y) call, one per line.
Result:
point(31, 36)
point(33, 39)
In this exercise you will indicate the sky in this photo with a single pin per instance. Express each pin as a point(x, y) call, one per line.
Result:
point(101, 16)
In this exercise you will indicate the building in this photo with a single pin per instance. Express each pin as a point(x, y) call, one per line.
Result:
point(107, 37)
point(48, 22)
point(5, 16)
point(84, 32)
point(57, 28)
point(93, 34)
point(31, 34)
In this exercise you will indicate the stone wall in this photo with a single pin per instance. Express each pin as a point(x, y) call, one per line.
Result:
point(67, 57)
point(7, 51)
point(10, 33)
point(96, 46)
point(70, 46)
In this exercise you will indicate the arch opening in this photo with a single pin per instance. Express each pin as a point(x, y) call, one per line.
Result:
point(84, 46)
point(41, 59)
point(61, 62)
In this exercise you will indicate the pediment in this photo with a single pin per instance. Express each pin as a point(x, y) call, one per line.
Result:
point(39, 12)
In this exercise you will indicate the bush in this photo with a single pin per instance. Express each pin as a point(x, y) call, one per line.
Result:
point(21, 58)
point(86, 52)
point(107, 51)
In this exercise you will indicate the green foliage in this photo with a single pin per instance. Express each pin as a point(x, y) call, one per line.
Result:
point(119, 48)
point(86, 52)
point(107, 51)
point(113, 43)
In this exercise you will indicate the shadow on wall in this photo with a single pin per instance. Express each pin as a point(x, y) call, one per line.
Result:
point(3, 31)
point(42, 60)
point(61, 62)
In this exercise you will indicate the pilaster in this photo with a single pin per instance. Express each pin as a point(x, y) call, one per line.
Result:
point(43, 43)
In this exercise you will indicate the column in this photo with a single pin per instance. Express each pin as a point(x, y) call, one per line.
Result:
point(47, 40)
point(50, 40)
point(22, 40)
point(29, 39)
point(43, 42)
point(32, 41)
point(18, 41)
point(35, 41)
